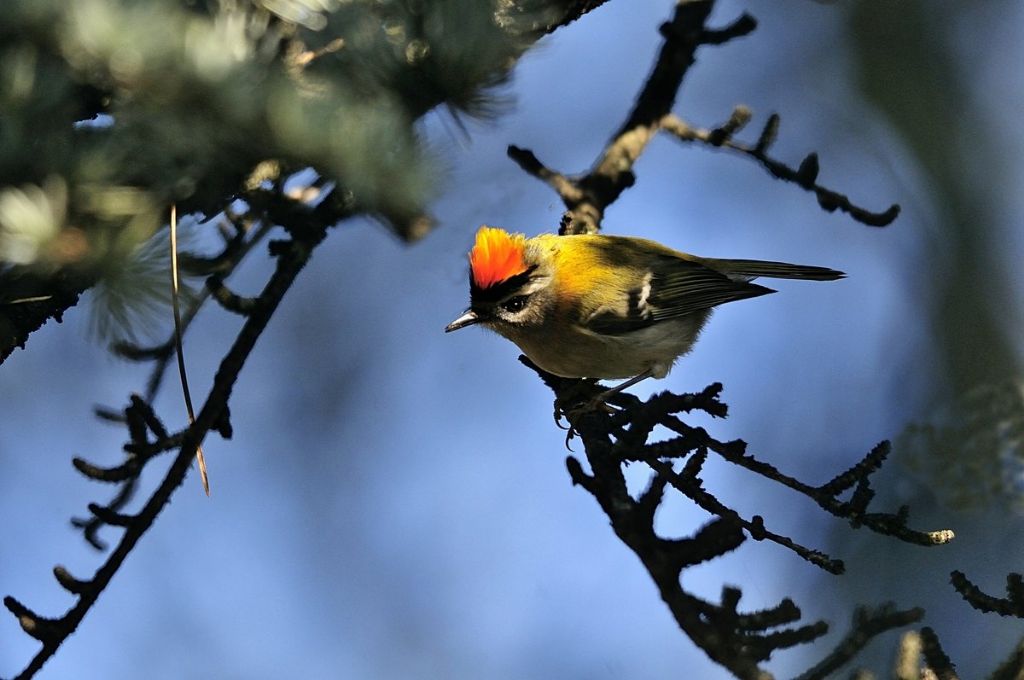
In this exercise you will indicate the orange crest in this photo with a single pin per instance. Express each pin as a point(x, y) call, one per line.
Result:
point(496, 256)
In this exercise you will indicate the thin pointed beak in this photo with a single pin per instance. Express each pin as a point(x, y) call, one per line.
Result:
point(467, 319)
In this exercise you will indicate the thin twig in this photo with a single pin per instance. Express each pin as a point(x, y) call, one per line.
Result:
point(1011, 605)
point(804, 176)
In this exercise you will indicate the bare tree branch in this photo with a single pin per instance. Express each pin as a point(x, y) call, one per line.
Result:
point(1011, 605)
point(804, 176)
point(291, 256)
point(867, 624)
point(935, 658)
point(587, 197)
point(738, 642)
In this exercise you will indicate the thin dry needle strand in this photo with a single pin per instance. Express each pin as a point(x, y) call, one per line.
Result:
point(200, 459)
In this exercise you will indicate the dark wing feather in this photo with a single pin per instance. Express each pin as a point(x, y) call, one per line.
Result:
point(675, 288)
point(682, 287)
point(775, 270)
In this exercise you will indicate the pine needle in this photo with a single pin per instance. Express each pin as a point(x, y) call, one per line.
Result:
point(200, 459)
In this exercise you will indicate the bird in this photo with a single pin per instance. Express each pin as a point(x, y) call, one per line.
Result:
point(605, 307)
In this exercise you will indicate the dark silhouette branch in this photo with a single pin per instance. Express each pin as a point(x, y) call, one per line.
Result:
point(935, 657)
point(586, 197)
point(291, 255)
point(805, 175)
point(1011, 605)
point(738, 642)
point(867, 624)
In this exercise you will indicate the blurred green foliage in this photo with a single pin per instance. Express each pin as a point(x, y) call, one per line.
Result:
point(112, 110)
point(186, 98)
point(916, 71)
point(912, 71)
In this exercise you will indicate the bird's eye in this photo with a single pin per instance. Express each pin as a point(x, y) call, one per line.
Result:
point(515, 304)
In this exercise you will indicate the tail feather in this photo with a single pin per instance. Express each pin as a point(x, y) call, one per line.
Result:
point(749, 269)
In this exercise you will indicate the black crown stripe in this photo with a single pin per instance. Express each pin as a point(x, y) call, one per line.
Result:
point(500, 290)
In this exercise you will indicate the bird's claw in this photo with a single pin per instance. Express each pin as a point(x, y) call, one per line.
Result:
point(570, 410)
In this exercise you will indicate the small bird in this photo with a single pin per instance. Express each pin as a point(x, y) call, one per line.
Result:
point(605, 307)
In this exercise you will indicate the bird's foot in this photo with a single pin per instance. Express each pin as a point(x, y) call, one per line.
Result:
point(581, 397)
point(579, 400)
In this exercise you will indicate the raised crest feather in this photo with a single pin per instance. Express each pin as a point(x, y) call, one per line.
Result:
point(496, 256)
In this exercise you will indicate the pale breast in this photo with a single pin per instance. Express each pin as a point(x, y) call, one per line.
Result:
point(574, 352)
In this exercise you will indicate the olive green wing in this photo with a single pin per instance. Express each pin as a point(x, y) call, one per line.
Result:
point(673, 288)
